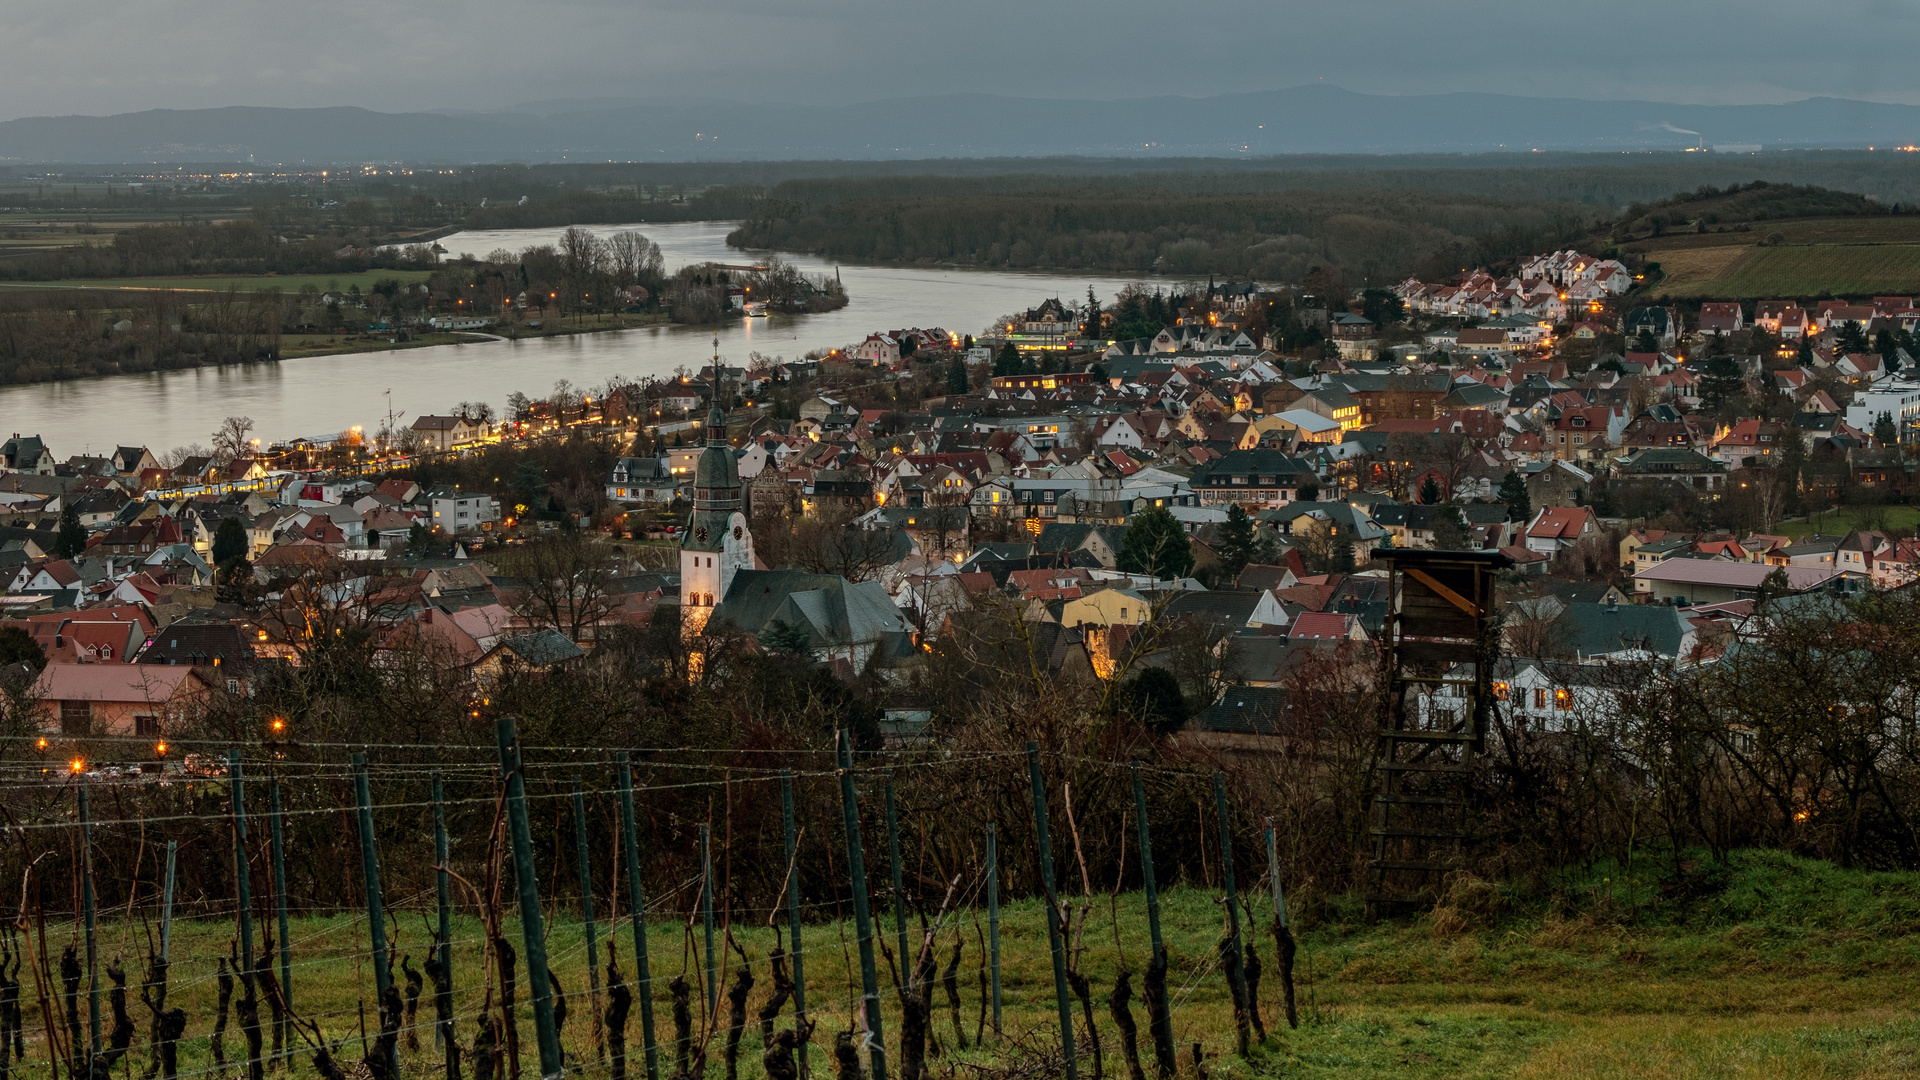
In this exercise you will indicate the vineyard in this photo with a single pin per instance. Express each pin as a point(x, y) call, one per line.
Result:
point(291, 910)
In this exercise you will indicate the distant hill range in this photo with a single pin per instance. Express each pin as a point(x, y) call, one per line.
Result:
point(1304, 119)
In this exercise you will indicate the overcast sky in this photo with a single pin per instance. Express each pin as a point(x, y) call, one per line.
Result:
point(111, 56)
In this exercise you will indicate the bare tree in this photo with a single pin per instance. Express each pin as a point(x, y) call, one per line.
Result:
point(231, 439)
point(561, 583)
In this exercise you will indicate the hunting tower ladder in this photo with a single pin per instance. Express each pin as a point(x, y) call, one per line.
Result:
point(1440, 644)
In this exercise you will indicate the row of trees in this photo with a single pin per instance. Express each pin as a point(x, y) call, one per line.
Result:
point(49, 338)
point(1378, 234)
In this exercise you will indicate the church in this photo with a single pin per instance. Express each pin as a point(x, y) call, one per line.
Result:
point(717, 543)
point(836, 621)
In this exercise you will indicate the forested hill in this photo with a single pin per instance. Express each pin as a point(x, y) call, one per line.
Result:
point(1376, 235)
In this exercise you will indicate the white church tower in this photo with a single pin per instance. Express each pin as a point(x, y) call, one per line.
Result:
point(717, 542)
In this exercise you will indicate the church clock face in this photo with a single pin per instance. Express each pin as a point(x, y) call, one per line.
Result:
point(700, 533)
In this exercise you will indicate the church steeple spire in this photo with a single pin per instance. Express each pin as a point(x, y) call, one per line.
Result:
point(716, 416)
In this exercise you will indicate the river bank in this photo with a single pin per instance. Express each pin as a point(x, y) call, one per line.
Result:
point(301, 346)
point(326, 393)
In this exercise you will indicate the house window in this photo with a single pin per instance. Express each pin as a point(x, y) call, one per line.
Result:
point(1563, 698)
point(1540, 697)
point(146, 725)
point(76, 718)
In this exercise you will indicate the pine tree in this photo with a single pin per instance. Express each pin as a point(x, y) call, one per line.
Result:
point(1156, 544)
point(1236, 542)
point(1793, 464)
point(71, 540)
point(1720, 382)
point(1429, 491)
point(1340, 554)
point(957, 377)
point(1091, 327)
point(1850, 339)
point(1884, 433)
point(229, 542)
point(1008, 362)
point(1513, 492)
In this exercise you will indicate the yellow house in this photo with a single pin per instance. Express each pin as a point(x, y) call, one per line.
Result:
point(1108, 607)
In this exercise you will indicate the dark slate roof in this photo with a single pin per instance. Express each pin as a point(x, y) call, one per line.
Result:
point(184, 643)
point(1245, 710)
point(1593, 629)
point(834, 610)
point(543, 647)
point(1223, 607)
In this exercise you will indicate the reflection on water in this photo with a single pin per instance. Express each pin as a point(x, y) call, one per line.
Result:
point(326, 394)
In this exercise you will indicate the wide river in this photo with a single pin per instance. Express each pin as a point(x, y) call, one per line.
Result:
point(323, 395)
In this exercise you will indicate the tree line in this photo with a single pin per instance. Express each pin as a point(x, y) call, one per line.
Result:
point(1380, 235)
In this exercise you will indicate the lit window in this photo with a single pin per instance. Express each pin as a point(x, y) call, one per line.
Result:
point(1563, 698)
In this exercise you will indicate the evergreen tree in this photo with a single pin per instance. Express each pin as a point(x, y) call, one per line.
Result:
point(1156, 544)
point(1008, 362)
point(1850, 339)
point(18, 647)
point(1340, 554)
point(957, 377)
point(1792, 466)
point(1091, 326)
point(1154, 697)
point(1513, 492)
point(71, 540)
point(1308, 492)
point(1886, 345)
point(1720, 383)
point(229, 542)
point(230, 581)
point(1236, 542)
point(1429, 491)
point(1884, 433)
point(1645, 341)
point(1805, 355)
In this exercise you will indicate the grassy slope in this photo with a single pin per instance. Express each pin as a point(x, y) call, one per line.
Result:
point(1840, 522)
point(1844, 256)
point(1781, 968)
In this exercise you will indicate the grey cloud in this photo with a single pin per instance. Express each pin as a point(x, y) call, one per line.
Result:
point(125, 55)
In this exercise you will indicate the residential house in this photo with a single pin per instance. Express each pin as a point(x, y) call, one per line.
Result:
point(139, 700)
point(1557, 528)
point(456, 512)
point(442, 433)
point(26, 454)
point(642, 480)
point(1750, 441)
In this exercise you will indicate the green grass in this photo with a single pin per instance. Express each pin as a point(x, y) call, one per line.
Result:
point(1846, 519)
point(1842, 269)
point(1777, 967)
point(244, 283)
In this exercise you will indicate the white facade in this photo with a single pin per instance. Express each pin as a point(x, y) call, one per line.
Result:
point(1898, 397)
point(459, 512)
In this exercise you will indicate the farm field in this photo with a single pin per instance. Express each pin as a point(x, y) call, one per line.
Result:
point(1779, 967)
point(1842, 256)
point(244, 283)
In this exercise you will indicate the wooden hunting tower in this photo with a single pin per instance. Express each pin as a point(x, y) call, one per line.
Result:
point(1441, 641)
